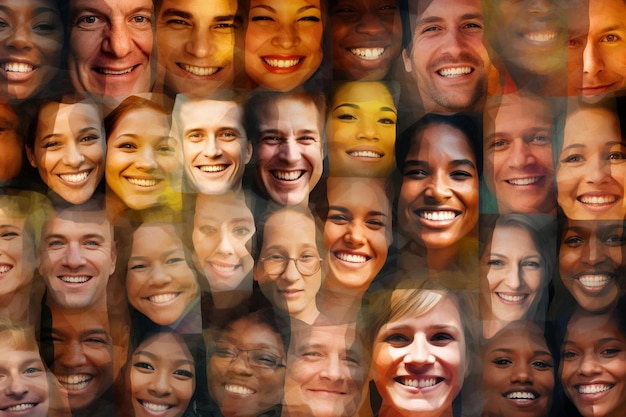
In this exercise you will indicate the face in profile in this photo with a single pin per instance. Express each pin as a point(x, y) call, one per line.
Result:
point(518, 372)
point(591, 258)
point(196, 45)
point(162, 376)
point(593, 365)
point(597, 50)
point(447, 59)
point(326, 371)
point(159, 281)
point(289, 149)
point(592, 167)
point(69, 149)
point(283, 46)
point(361, 130)
point(289, 269)
point(438, 203)
point(143, 161)
point(28, 69)
point(11, 157)
point(110, 46)
point(357, 232)
point(513, 274)
point(419, 362)
point(216, 149)
point(517, 145)
point(222, 231)
point(367, 38)
point(246, 369)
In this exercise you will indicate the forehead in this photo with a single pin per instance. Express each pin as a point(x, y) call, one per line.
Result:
point(87, 112)
point(156, 235)
point(582, 326)
point(518, 338)
point(598, 123)
point(110, 7)
point(7, 114)
point(359, 92)
point(247, 333)
point(338, 337)
point(447, 9)
point(444, 313)
point(165, 344)
point(514, 108)
point(437, 140)
point(70, 322)
point(222, 209)
point(198, 8)
point(290, 113)
point(286, 6)
point(358, 193)
point(77, 223)
point(209, 113)
point(280, 226)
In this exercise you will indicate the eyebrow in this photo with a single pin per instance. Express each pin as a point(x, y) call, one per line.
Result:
point(87, 236)
point(156, 358)
point(346, 210)
point(454, 163)
point(271, 9)
point(582, 145)
point(83, 130)
point(436, 19)
point(165, 254)
point(356, 106)
point(511, 350)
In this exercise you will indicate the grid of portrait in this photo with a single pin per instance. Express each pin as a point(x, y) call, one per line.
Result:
point(329, 208)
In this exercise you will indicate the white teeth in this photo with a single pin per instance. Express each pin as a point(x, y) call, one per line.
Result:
point(598, 200)
point(521, 395)
point(155, 407)
point(524, 181)
point(213, 168)
point(368, 54)
point(541, 36)
point(365, 154)
point(74, 177)
point(142, 182)
point(288, 175)
point(418, 383)
point(282, 63)
point(75, 280)
point(512, 298)
point(163, 298)
point(454, 72)
point(224, 268)
point(75, 382)
point(200, 71)
point(594, 281)
point(5, 268)
point(593, 389)
point(112, 72)
point(17, 67)
point(357, 259)
point(238, 389)
point(437, 215)
point(20, 407)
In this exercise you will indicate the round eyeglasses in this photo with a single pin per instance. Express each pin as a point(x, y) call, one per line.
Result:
point(306, 264)
point(257, 358)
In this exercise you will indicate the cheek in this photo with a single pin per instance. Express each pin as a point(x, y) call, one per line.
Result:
point(567, 260)
point(494, 279)
point(533, 281)
point(332, 234)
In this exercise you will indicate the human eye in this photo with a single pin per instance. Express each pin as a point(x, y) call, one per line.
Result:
point(308, 257)
point(387, 121)
point(55, 244)
point(499, 144)
point(398, 339)
point(174, 260)
point(195, 136)
point(542, 364)
point(338, 218)
point(540, 140)
point(165, 148)
point(569, 354)
point(609, 352)
point(51, 144)
point(96, 340)
point(89, 138)
point(531, 264)
point(272, 139)
point(263, 358)
point(346, 117)
point(473, 26)
point(32, 370)
point(45, 27)
point(375, 223)
point(496, 263)
point(143, 366)
point(183, 374)
point(9, 235)
point(89, 22)
point(610, 38)
point(241, 231)
point(417, 174)
point(228, 135)
point(573, 159)
point(617, 156)
point(431, 29)
point(138, 266)
point(208, 229)
point(442, 338)
point(576, 42)
point(141, 20)
point(502, 362)
point(177, 22)
point(225, 351)
point(126, 146)
point(461, 175)
point(614, 240)
point(92, 243)
point(306, 140)
point(262, 18)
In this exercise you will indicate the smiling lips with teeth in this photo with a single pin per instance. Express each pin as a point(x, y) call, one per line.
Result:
point(437, 215)
point(20, 407)
point(107, 71)
point(199, 71)
point(212, 168)
point(523, 396)
point(365, 154)
point(18, 67)
point(512, 298)
point(593, 388)
point(367, 54)
point(157, 408)
point(141, 182)
point(163, 298)
point(75, 382)
point(455, 72)
point(288, 175)
point(541, 36)
point(238, 389)
point(595, 200)
point(74, 279)
point(4, 268)
point(524, 181)
point(595, 281)
point(75, 178)
point(418, 382)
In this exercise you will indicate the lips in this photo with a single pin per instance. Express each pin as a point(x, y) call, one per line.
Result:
point(143, 182)
point(595, 281)
point(524, 181)
point(157, 408)
point(213, 168)
point(4, 268)
point(75, 178)
point(199, 71)
point(541, 36)
point(115, 72)
point(282, 64)
point(74, 279)
point(419, 382)
point(437, 215)
point(163, 298)
point(75, 382)
point(351, 257)
point(590, 389)
point(455, 72)
point(511, 298)
point(288, 175)
point(20, 407)
point(367, 54)
point(224, 268)
point(238, 389)
point(521, 395)
point(365, 154)
point(20, 67)
point(598, 200)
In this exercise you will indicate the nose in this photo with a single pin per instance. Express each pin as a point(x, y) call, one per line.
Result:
point(593, 62)
point(418, 352)
point(118, 41)
point(199, 44)
point(593, 252)
point(225, 246)
point(146, 160)
point(355, 233)
point(20, 38)
point(370, 24)
point(72, 156)
point(14, 386)
point(513, 277)
point(598, 171)
point(159, 384)
point(367, 130)
point(160, 275)
point(289, 152)
point(74, 256)
point(71, 355)
point(291, 273)
point(521, 155)
point(521, 373)
point(333, 369)
point(589, 366)
point(286, 37)
point(453, 43)
point(239, 365)
point(437, 190)
point(541, 7)
point(212, 147)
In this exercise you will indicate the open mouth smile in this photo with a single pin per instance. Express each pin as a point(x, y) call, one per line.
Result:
point(444, 215)
point(524, 181)
point(352, 258)
point(20, 67)
point(163, 298)
point(595, 281)
point(288, 175)
point(157, 408)
point(367, 54)
point(143, 182)
point(593, 388)
point(365, 154)
point(74, 279)
point(418, 382)
point(108, 71)
point(283, 63)
point(20, 407)
point(543, 36)
point(512, 298)
point(199, 71)
point(597, 200)
point(455, 72)
point(75, 178)
point(238, 389)
point(75, 382)
point(5, 268)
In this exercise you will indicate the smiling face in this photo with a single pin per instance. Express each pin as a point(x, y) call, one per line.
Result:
point(367, 38)
point(518, 373)
point(239, 386)
point(289, 150)
point(159, 282)
point(419, 362)
point(447, 57)
point(438, 202)
point(196, 44)
point(357, 232)
point(283, 42)
point(518, 165)
point(592, 166)
point(18, 261)
point(142, 164)
point(69, 149)
point(162, 378)
point(326, 371)
point(31, 41)
point(591, 262)
point(512, 274)
point(216, 149)
point(110, 46)
point(593, 368)
point(361, 130)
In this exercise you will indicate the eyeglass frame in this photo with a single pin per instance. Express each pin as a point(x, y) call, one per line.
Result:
point(238, 352)
point(295, 262)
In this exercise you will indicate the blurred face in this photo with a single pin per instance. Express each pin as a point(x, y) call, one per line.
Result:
point(17, 254)
point(289, 158)
point(597, 52)
point(513, 274)
point(69, 149)
point(593, 369)
point(291, 290)
point(142, 164)
point(367, 38)
point(216, 149)
point(11, 156)
point(159, 282)
point(591, 170)
point(249, 383)
point(531, 36)
point(162, 378)
point(518, 374)
point(31, 41)
point(222, 231)
point(447, 57)
point(110, 46)
point(283, 42)
point(590, 262)
point(518, 165)
point(325, 371)
point(418, 362)
point(83, 355)
point(196, 44)
point(357, 232)
point(439, 195)
point(77, 257)
point(361, 131)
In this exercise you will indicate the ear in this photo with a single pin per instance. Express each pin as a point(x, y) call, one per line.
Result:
point(248, 152)
point(406, 59)
point(31, 157)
